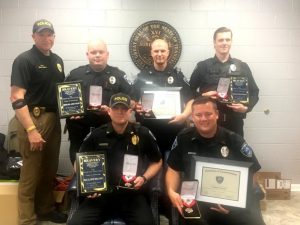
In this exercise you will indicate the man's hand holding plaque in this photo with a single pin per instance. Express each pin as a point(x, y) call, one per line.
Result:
point(130, 166)
point(188, 192)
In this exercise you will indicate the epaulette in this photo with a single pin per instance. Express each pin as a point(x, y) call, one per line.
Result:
point(103, 127)
point(186, 131)
point(114, 69)
point(177, 70)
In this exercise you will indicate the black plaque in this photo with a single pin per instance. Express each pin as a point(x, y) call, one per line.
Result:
point(70, 99)
point(91, 173)
point(239, 89)
point(145, 34)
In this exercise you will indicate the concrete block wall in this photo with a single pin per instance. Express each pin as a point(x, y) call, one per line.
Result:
point(266, 36)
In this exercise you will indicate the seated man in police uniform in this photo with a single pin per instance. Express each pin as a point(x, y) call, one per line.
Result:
point(118, 139)
point(207, 139)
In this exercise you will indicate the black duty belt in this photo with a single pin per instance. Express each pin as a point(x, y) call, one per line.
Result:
point(38, 110)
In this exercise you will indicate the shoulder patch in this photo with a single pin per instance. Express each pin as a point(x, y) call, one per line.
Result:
point(246, 150)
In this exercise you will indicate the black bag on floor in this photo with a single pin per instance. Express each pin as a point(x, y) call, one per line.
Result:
point(3, 159)
point(10, 163)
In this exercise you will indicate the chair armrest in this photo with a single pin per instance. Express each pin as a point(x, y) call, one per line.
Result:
point(73, 184)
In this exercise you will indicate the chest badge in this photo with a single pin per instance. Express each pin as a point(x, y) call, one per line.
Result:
point(112, 80)
point(232, 67)
point(135, 139)
point(59, 67)
point(170, 80)
point(225, 151)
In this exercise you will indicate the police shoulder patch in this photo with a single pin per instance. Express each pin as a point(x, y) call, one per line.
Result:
point(246, 150)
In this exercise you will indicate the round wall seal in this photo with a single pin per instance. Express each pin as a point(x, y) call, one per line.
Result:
point(141, 39)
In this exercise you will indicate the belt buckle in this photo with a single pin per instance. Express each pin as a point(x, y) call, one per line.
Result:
point(36, 111)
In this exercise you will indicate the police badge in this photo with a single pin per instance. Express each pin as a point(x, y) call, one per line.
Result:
point(224, 151)
point(112, 80)
point(170, 80)
point(135, 139)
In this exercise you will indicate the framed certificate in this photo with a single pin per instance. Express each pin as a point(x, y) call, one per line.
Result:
point(70, 99)
point(91, 173)
point(165, 102)
point(221, 181)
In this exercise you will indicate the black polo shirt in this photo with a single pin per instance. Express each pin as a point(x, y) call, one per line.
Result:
point(38, 74)
point(116, 145)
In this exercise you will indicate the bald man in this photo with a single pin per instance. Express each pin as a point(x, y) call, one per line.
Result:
point(159, 75)
point(96, 75)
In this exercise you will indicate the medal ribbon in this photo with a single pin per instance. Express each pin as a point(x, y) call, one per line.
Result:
point(128, 179)
point(189, 203)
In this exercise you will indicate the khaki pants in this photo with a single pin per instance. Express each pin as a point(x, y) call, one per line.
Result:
point(39, 169)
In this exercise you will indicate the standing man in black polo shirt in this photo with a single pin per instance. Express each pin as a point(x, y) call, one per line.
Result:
point(205, 78)
point(33, 96)
point(207, 139)
point(100, 75)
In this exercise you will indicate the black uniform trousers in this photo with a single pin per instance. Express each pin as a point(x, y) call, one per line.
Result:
point(131, 206)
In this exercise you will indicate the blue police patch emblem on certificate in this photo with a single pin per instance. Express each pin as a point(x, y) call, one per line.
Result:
point(219, 179)
point(246, 150)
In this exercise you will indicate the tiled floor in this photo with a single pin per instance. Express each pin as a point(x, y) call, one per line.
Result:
point(278, 212)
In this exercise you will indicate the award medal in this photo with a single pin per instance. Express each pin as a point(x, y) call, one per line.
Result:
point(224, 151)
point(223, 86)
point(222, 95)
point(127, 180)
point(170, 80)
point(189, 203)
point(135, 139)
point(232, 67)
point(112, 80)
